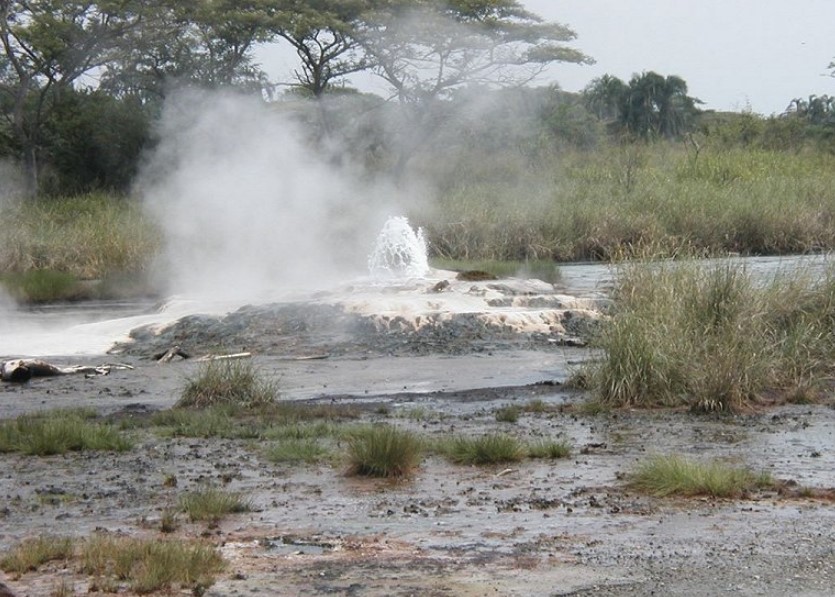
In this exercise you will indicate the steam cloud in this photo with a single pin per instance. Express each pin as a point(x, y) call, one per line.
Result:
point(248, 210)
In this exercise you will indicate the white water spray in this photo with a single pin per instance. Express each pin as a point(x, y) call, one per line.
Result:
point(399, 252)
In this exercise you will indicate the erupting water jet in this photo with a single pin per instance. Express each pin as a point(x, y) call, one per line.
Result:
point(399, 251)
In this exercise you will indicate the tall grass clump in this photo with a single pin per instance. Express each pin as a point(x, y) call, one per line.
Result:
point(88, 237)
point(58, 432)
point(383, 451)
point(228, 382)
point(665, 476)
point(150, 565)
point(711, 337)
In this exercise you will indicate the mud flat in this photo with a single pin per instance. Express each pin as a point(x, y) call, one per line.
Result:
point(536, 527)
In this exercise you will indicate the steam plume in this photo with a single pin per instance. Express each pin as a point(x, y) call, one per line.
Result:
point(248, 209)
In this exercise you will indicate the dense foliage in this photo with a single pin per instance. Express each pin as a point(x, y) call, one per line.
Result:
point(81, 82)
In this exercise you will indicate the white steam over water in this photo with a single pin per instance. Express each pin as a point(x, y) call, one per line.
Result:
point(249, 211)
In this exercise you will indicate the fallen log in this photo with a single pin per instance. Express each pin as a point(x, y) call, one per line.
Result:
point(168, 355)
point(20, 370)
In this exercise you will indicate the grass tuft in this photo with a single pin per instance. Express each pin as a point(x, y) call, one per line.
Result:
point(211, 504)
point(233, 382)
point(549, 449)
point(295, 450)
point(508, 414)
point(383, 451)
point(494, 448)
point(674, 475)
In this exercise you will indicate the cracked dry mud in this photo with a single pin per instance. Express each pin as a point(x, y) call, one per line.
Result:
point(532, 528)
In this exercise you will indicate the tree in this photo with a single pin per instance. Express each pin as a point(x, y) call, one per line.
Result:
point(322, 34)
point(206, 44)
point(48, 45)
point(817, 109)
point(429, 49)
point(650, 106)
point(602, 97)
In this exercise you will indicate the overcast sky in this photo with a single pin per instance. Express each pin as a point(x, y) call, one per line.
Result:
point(734, 54)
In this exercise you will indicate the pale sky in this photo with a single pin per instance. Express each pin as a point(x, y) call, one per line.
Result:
point(734, 54)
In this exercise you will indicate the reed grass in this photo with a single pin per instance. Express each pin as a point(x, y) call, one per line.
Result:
point(562, 206)
point(88, 236)
point(710, 337)
point(604, 203)
point(665, 476)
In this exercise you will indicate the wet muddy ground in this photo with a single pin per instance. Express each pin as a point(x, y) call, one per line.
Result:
point(533, 528)
point(537, 527)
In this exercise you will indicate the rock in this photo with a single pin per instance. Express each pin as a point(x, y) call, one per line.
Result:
point(5, 591)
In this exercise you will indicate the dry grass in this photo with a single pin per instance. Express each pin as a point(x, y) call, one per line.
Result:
point(150, 565)
point(33, 553)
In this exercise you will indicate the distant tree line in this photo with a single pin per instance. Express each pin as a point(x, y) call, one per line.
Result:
point(82, 82)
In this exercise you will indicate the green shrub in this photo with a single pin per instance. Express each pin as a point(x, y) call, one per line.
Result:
point(294, 450)
point(41, 285)
point(508, 414)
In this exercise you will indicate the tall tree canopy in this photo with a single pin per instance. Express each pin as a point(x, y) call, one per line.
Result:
point(62, 57)
point(322, 34)
point(48, 45)
point(649, 106)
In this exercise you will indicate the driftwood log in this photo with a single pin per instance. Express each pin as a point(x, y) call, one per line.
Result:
point(21, 370)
